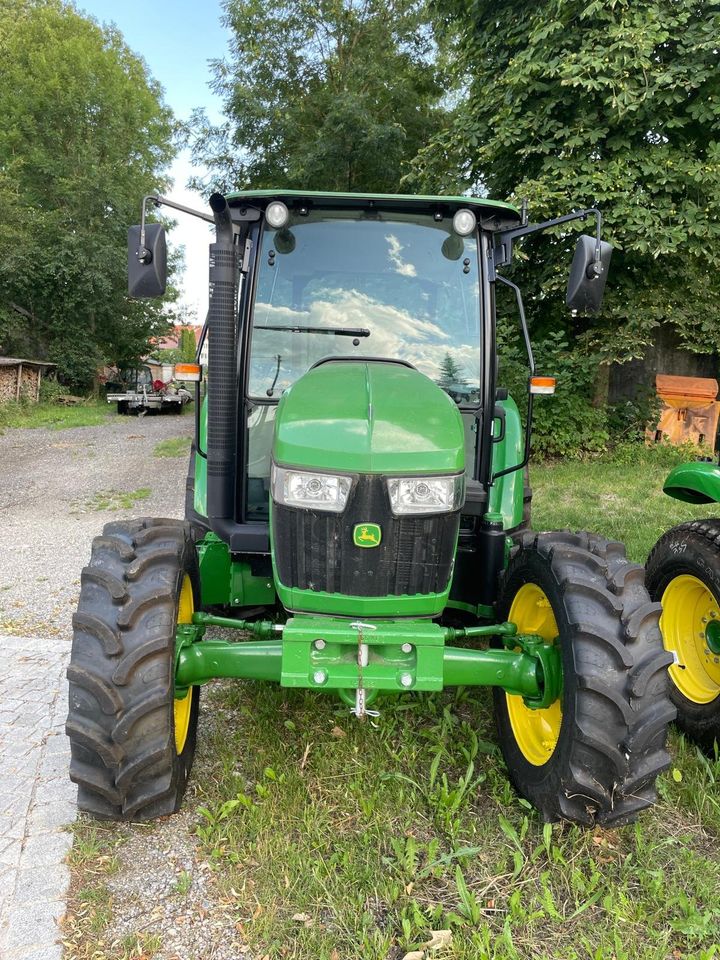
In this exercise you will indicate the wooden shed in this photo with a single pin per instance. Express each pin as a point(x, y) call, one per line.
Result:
point(20, 379)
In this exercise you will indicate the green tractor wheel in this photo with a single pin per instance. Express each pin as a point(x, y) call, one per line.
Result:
point(683, 573)
point(132, 742)
point(593, 755)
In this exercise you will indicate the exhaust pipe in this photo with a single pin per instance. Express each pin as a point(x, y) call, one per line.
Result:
point(222, 385)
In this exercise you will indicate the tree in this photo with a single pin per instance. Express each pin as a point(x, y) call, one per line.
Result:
point(575, 103)
point(84, 133)
point(187, 345)
point(450, 373)
point(336, 95)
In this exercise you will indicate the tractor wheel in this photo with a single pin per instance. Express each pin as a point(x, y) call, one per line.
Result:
point(132, 743)
point(593, 755)
point(122, 407)
point(683, 573)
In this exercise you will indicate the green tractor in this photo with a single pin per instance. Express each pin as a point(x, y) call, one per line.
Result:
point(357, 511)
point(683, 573)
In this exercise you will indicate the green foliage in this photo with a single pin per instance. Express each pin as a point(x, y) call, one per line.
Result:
point(50, 390)
point(76, 359)
point(84, 134)
point(331, 96)
point(566, 424)
point(168, 355)
point(573, 103)
point(52, 415)
point(187, 345)
point(117, 499)
point(172, 447)
point(628, 419)
point(371, 870)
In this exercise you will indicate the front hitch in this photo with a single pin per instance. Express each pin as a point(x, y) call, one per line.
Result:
point(359, 660)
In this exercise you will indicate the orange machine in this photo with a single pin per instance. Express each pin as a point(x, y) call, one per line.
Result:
point(689, 409)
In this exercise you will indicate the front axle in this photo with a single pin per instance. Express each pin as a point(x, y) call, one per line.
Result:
point(379, 656)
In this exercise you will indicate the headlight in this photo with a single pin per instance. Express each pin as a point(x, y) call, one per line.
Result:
point(464, 223)
point(277, 214)
point(317, 491)
point(412, 495)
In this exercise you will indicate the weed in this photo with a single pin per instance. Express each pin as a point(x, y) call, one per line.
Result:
point(96, 902)
point(91, 413)
point(117, 499)
point(172, 447)
point(183, 883)
point(140, 946)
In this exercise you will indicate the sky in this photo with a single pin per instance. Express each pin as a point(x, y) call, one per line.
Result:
point(176, 38)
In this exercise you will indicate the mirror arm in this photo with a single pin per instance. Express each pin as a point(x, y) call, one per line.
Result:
point(531, 364)
point(144, 255)
point(505, 238)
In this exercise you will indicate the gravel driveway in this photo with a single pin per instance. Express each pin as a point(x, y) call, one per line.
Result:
point(58, 489)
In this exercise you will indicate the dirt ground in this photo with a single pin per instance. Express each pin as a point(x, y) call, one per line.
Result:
point(54, 490)
point(58, 489)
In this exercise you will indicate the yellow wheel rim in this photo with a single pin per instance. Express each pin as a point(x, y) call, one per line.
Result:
point(183, 708)
point(690, 625)
point(536, 731)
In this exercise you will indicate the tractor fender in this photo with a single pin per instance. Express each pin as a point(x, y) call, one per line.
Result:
point(697, 482)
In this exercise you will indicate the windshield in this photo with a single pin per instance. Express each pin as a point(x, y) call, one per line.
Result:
point(366, 284)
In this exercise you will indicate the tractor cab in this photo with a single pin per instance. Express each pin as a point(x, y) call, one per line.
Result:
point(359, 284)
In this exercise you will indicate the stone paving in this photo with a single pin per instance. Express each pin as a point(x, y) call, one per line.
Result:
point(36, 800)
point(48, 517)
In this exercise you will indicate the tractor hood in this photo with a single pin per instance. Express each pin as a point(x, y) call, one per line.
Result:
point(368, 416)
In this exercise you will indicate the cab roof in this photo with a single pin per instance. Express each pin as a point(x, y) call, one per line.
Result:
point(492, 213)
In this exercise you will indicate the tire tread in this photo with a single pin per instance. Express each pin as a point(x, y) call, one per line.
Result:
point(617, 735)
point(123, 755)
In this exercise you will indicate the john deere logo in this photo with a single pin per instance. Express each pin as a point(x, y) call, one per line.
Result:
point(367, 535)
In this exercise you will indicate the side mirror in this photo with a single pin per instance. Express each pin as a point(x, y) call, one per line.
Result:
point(147, 264)
point(586, 284)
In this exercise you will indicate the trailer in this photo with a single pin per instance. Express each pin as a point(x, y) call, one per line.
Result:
point(138, 392)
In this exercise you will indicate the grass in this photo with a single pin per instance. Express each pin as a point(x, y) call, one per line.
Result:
point(173, 447)
point(117, 499)
point(375, 837)
point(56, 416)
point(87, 924)
point(335, 839)
point(183, 883)
point(92, 861)
point(620, 497)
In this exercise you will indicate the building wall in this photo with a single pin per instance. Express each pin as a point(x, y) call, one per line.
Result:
point(665, 355)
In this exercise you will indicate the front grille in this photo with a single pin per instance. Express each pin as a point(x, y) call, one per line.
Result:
point(314, 550)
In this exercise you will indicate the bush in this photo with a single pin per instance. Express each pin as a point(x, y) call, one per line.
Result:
point(77, 363)
point(628, 419)
point(565, 425)
point(50, 390)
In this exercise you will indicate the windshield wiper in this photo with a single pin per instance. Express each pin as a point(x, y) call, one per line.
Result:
point(338, 331)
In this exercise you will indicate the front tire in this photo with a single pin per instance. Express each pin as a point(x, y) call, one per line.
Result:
point(683, 573)
point(593, 755)
point(132, 743)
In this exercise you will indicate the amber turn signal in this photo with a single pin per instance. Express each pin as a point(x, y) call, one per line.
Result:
point(542, 385)
point(188, 371)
